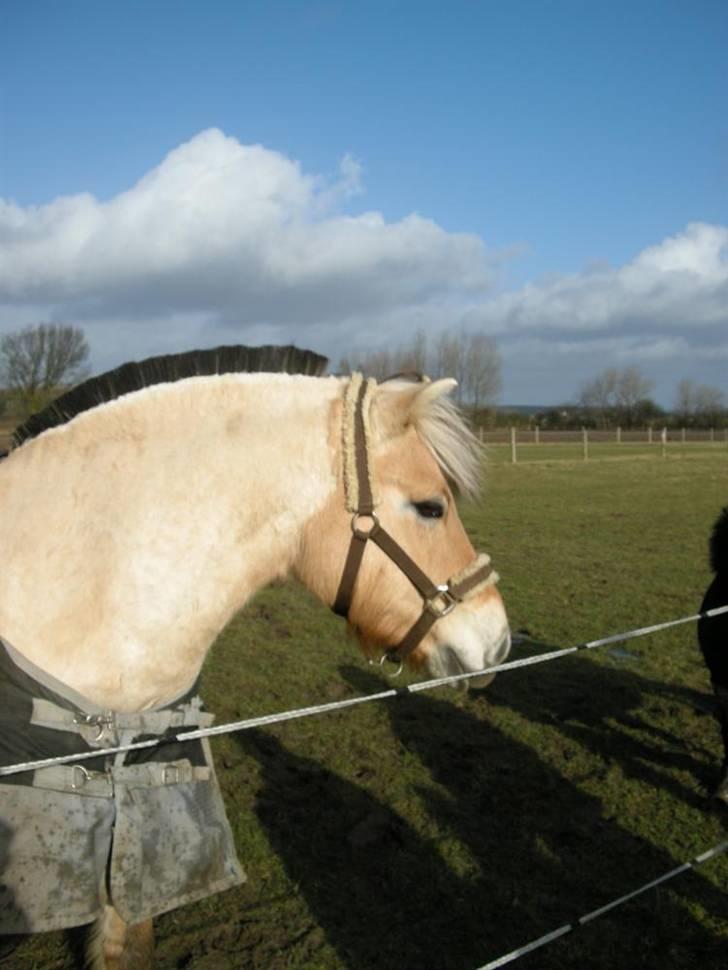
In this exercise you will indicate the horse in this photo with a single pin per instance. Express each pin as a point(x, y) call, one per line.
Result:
point(139, 514)
point(713, 638)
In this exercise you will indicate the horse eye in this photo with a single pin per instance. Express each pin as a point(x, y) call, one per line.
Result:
point(430, 509)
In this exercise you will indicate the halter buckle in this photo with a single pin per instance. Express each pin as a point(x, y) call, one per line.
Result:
point(442, 603)
point(362, 533)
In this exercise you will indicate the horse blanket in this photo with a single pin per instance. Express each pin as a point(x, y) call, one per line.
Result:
point(145, 831)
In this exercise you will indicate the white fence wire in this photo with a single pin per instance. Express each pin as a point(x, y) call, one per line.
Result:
point(266, 720)
point(583, 920)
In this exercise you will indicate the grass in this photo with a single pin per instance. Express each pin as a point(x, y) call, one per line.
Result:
point(440, 830)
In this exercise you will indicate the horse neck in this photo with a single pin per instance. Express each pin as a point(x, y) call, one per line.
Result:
point(166, 511)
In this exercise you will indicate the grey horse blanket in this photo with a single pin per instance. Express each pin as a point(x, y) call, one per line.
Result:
point(145, 831)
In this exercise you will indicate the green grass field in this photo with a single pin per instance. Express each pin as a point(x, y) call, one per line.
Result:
point(443, 829)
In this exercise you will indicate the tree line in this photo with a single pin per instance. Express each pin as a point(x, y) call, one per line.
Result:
point(471, 358)
point(40, 361)
point(620, 397)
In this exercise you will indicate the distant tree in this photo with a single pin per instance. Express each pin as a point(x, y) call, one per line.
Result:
point(700, 405)
point(471, 358)
point(450, 360)
point(709, 405)
point(599, 395)
point(645, 412)
point(613, 395)
point(482, 371)
point(36, 362)
point(413, 356)
point(632, 389)
point(685, 401)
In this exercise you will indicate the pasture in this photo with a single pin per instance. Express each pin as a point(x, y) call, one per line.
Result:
point(441, 830)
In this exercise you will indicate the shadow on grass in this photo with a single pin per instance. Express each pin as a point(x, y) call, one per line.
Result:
point(531, 852)
point(613, 713)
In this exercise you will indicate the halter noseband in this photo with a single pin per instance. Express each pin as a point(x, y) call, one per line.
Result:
point(438, 599)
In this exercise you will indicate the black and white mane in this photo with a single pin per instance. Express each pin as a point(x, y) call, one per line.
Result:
point(136, 375)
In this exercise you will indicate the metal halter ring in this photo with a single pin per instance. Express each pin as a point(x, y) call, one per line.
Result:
point(85, 776)
point(443, 603)
point(361, 533)
point(98, 721)
point(388, 658)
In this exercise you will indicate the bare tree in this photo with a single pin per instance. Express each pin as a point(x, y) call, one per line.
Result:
point(598, 395)
point(451, 360)
point(633, 388)
point(413, 356)
point(709, 406)
point(472, 359)
point(482, 371)
point(699, 404)
point(685, 401)
point(39, 360)
point(376, 363)
point(614, 395)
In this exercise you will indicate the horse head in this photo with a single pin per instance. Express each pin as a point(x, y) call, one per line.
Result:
point(388, 549)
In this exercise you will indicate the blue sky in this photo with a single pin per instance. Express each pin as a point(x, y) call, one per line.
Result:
point(555, 173)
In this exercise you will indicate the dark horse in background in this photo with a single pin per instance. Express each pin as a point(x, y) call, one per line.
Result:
point(713, 637)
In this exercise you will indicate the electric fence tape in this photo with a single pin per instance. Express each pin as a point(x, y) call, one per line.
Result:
point(583, 920)
point(267, 719)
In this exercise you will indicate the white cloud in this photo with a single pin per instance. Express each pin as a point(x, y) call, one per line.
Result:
point(678, 287)
point(237, 231)
point(224, 242)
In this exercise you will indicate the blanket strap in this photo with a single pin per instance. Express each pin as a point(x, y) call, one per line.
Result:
point(107, 729)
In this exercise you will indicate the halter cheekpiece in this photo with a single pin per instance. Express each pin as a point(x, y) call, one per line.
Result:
point(438, 599)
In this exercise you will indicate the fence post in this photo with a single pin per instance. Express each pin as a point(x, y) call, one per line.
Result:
point(619, 436)
point(538, 438)
point(481, 434)
point(683, 435)
point(513, 446)
point(664, 442)
point(585, 439)
point(649, 435)
point(712, 434)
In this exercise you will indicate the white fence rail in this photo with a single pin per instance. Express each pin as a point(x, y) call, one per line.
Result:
point(660, 438)
point(619, 436)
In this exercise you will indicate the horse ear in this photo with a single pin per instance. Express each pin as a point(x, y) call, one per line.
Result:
point(395, 408)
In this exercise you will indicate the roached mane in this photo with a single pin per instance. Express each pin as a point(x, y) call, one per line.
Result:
point(169, 368)
point(458, 452)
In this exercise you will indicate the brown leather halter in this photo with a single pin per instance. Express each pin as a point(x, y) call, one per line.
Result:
point(438, 599)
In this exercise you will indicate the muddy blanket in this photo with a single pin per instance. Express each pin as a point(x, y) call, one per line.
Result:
point(145, 831)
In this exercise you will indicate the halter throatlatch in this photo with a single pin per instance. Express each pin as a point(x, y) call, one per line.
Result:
point(438, 599)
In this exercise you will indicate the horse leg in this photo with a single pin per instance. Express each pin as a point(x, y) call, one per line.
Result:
point(116, 945)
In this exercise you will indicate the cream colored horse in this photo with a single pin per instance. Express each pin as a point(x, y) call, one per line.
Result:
point(133, 533)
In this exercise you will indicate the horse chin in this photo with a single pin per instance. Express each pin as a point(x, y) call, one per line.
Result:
point(447, 660)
